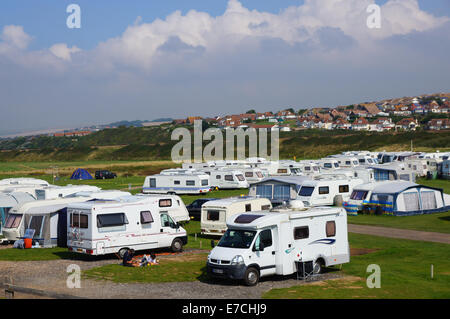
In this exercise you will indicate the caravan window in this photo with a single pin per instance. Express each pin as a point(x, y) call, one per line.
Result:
point(248, 174)
point(404, 177)
point(336, 165)
point(152, 182)
point(327, 165)
point(306, 191)
point(36, 224)
point(111, 220)
point(176, 182)
point(358, 195)
point(307, 168)
point(343, 189)
point(324, 190)
point(190, 183)
point(248, 207)
point(347, 162)
point(259, 174)
point(331, 228)
point(301, 232)
point(204, 182)
point(240, 177)
point(229, 178)
point(213, 215)
point(265, 207)
point(146, 217)
point(218, 177)
point(79, 220)
point(165, 202)
point(282, 171)
point(13, 221)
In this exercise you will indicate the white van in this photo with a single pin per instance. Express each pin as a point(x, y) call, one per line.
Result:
point(176, 184)
point(52, 191)
point(214, 213)
point(171, 204)
point(226, 179)
point(324, 192)
point(280, 242)
point(99, 227)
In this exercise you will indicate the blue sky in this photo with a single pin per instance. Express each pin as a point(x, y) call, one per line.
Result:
point(216, 57)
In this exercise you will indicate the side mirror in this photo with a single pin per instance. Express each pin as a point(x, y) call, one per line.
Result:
point(213, 244)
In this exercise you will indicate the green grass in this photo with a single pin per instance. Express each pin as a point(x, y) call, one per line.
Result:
point(405, 272)
point(191, 269)
point(35, 254)
point(439, 222)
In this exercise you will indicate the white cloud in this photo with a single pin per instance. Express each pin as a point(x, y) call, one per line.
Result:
point(62, 51)
point(14, 36)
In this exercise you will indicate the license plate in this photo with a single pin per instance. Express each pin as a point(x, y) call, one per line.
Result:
point(217, 271)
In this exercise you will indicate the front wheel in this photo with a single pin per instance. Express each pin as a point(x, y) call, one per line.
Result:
point(177, 245)
point(251, 277)
point(318, 267)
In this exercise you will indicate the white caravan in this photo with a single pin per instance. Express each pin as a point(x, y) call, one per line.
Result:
point(326, 192)
point(328, 164)
point(265, 243)
point(214, 214)
point(226, 178)
point(52, 191)
point(253, 175)
point(23, 181)
point(43, 216)
point(346, 161)
point(99, 227)
point(176, 184)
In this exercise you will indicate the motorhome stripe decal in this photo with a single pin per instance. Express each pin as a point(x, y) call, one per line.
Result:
point(327, 241)
point(268, 267)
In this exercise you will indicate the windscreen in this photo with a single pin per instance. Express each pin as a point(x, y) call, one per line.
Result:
point(306, 191)
point(237, 239)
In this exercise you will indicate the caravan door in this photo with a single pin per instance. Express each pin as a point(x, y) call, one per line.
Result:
point(264, 255)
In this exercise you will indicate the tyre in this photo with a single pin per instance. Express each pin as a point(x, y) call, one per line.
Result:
point(177, 245)
point(318, 267)
point(251, 277)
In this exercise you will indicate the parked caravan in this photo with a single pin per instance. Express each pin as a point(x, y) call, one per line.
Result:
point(365, 160)
point(278, 189)
point(223, 178)
point(52, 192)
point(23, 181)
point(171, 204)
point(398, 198)
point(366, 174)
point(346, 161)
point(42, 216)
point(280, 168)
point(48, 217)
point(102, 227)
point(176, 184)
point(309, 168)
point(214, 214)
point(420, 166)
point(253, 175)
point(393, 171)
point(445, 169)
point(328, 164)
point(8, 201)
point(197, 165)
point(326, 191)
point(283, 242)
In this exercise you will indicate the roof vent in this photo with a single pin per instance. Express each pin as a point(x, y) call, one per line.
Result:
point(296, 204)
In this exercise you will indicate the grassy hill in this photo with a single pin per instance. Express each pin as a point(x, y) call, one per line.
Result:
point(154, 143)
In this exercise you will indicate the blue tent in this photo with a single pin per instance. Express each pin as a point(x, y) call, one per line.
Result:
point(81, 174)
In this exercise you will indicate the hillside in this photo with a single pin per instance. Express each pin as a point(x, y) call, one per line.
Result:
point(153, 143)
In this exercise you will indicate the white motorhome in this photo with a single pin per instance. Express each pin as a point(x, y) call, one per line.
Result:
point(266, 243)
point(226, 178)
point(99, 227)
point(326, 191)
point(52, 192)
point(176, 184)
point(44, 216)
point(214, 213)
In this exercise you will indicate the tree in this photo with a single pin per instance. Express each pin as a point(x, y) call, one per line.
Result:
point(251, 111)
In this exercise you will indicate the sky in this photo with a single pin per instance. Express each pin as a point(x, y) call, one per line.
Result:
point(144, 60)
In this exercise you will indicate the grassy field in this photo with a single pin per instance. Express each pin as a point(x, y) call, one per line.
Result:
point(405, 272)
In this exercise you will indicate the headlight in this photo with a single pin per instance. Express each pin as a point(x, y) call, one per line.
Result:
point(209, 257)
point(237, 260)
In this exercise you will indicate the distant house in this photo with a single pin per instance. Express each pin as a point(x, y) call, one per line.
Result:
point(286, 114)
point(408, 124)
point(360, 124)
point(438, 124)
point(341, 124)
point(371, 108)
point(381, 124)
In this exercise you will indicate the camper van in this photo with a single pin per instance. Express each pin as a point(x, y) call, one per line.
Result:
point(176, 184)
point(102, 227)
point(48, 217)
point(327, 191)
point(52, 192)
point(214, 214)
point(266, 243)
point(226, 178)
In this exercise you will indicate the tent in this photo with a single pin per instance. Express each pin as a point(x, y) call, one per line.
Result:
point(81, 174)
